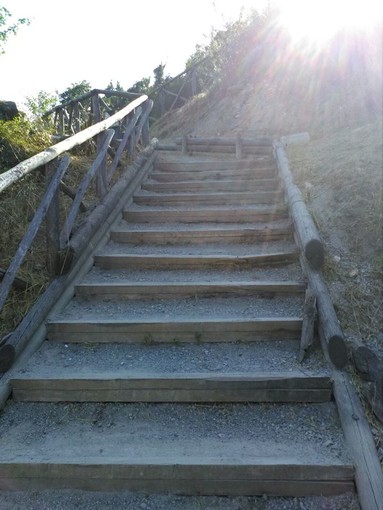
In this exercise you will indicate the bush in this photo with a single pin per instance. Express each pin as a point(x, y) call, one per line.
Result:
point(20, 139)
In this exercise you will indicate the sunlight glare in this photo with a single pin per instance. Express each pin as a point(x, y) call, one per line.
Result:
point(319, 21)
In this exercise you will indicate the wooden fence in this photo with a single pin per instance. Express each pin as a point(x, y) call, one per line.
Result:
point(73, 116)
point(127, 128)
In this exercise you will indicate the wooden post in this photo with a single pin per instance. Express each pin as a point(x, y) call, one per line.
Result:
point(101, 180)
point(194, 81)
point(96, 111)
point(309, 316)
point(52, 221)
point(61, 126)
point(76, 117)
point(161, 100)
point(368, 471)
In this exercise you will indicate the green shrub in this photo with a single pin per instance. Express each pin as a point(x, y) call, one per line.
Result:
point(20, 139)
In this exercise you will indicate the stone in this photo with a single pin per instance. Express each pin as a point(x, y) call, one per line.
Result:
point(8, 110)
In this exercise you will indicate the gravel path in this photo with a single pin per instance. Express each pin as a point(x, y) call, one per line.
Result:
point(257, 357)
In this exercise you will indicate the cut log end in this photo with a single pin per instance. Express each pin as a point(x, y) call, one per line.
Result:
point(314, 253)
point(7, 357)
point(337, 351)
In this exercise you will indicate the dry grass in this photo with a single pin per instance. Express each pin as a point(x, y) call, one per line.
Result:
point(343, 171)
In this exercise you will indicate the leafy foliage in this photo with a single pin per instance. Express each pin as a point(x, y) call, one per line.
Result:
point(74, 91)
point(6, 28)
point(42, 103)
point(20, 139)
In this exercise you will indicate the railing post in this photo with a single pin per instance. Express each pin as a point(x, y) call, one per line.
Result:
point(96, 108)
point(52, 222)
point(101, 180)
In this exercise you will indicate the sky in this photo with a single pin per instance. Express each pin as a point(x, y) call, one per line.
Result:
point(73, 40)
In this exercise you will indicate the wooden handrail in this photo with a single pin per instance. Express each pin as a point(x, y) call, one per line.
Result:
point(42, 158)
point(93, 92)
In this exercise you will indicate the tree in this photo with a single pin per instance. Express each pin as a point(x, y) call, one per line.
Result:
point(74, 91)
point(142, 86)
point(42, 103)
point(7, 28)
point(116, 103)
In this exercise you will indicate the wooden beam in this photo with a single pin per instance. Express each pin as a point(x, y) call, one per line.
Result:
point(307, 232)
point(31, 232)
point(44, 157)
point(328, 322)
point(368, 471)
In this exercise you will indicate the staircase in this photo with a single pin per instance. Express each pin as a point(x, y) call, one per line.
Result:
point(174, 368)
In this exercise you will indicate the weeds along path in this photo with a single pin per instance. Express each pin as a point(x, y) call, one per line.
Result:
point(172, 376)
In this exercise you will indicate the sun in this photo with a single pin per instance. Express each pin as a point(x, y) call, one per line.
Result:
point(318, 21)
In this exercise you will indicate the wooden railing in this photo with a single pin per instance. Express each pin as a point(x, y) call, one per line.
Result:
point(76, 115)
point(73, 116)
point(127, 128)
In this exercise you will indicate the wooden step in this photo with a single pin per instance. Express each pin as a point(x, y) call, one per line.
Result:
point(174, 290)
point(158, 261)
point(266, 176)
point(203, 235)
point(199, 164)
point(218, 215)
point(66, 385)
point(236, 185)
point(175, 331)
point(162, 448)
point(163, 199)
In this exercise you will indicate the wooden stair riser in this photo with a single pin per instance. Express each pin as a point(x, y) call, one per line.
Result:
point(258, 175)
point(176, 237)
point(242, 388)
point(175, 332)
point(223, 165)
point(205, 216)
point(211, 187)
point(281, 479)
point(161, 291)
point(209, 199)
point(193, 262)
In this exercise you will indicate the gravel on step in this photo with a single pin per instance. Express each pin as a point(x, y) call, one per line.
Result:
point(257, 357)
point(150, 433)
point(75, 500)
point(278, 273)
point(190, 309)
point(233, 249)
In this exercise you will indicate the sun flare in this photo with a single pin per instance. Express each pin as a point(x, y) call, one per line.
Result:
point(318, 21)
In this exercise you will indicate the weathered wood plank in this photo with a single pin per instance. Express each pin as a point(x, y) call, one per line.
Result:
point(217, 215)
point(309, 316)
point(26, 242)
point(261, 179)
point(226, 198)
point(211, 235)
point(101, 331)
point(122, 261)
point(224, 164)
point(44, 157)
point(306, 230)
point(195, 186)
point(81, 190)
point(281, 479)
point(368, 471)
point(329, 327)
point(135, 290)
